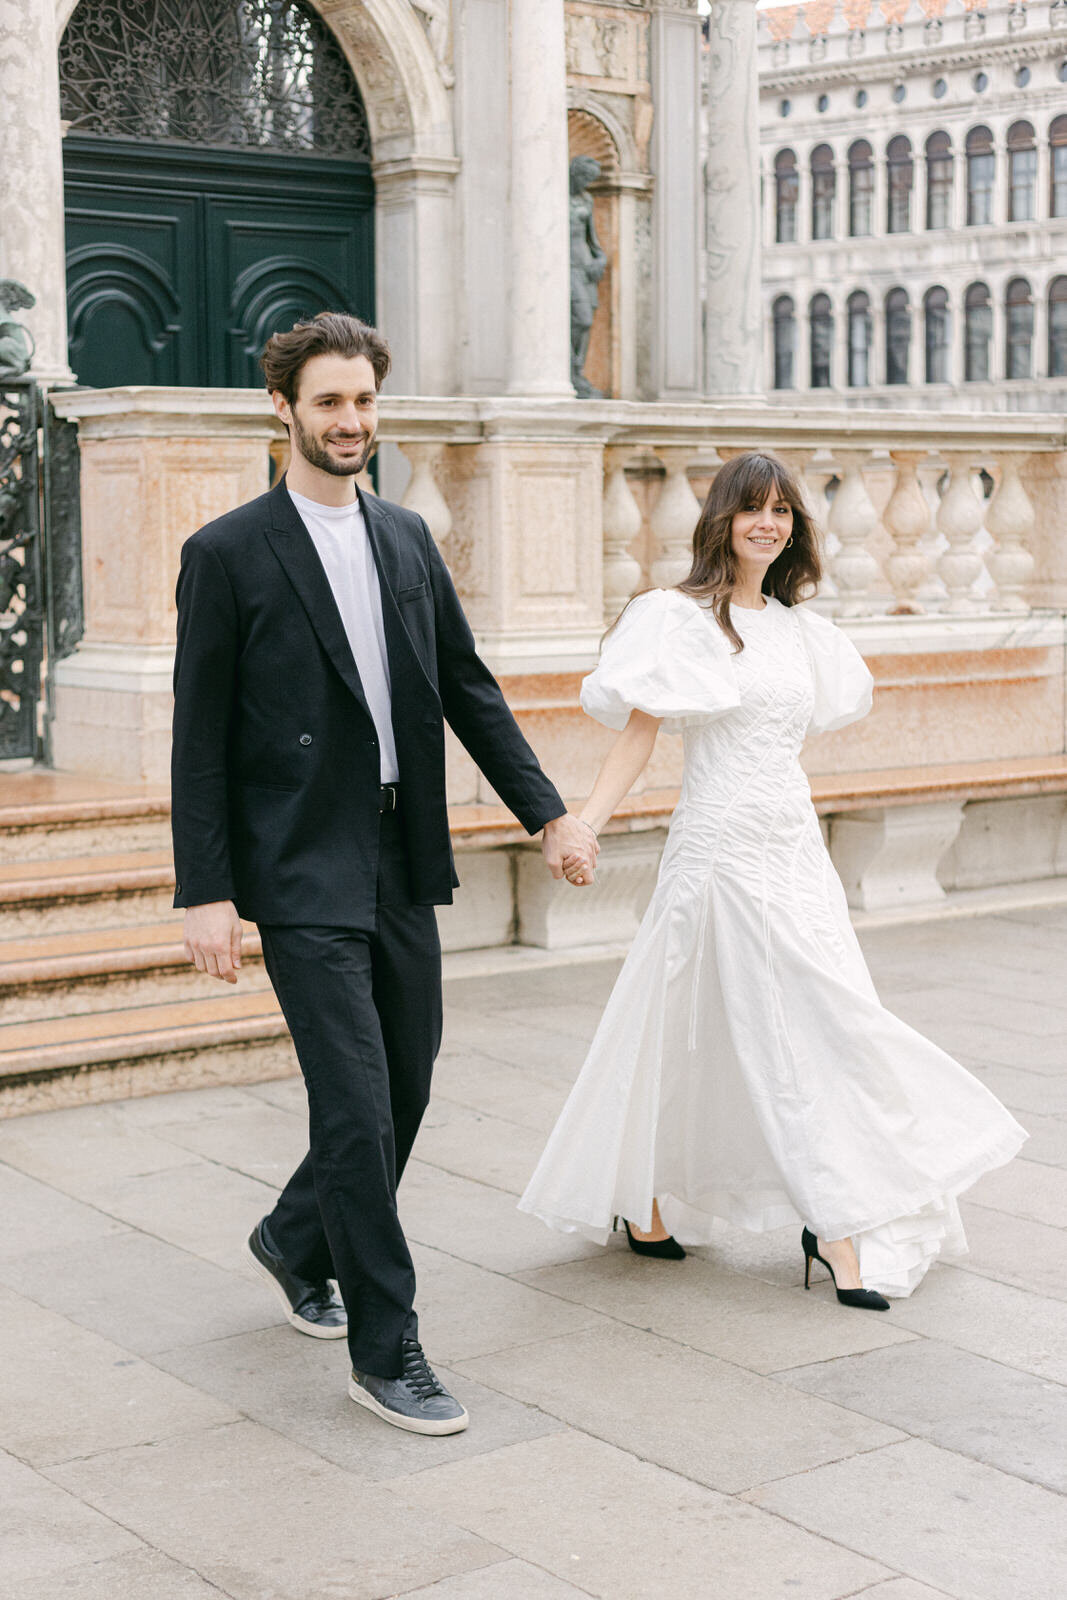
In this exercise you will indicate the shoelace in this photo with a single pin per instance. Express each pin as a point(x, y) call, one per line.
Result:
point(419, 1373)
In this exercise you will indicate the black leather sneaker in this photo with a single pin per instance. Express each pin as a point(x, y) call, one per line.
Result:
point(417, 1400)
point(314, 1308)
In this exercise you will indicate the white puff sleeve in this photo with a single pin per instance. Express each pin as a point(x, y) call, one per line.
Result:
point(666, 656)
point(843, 683)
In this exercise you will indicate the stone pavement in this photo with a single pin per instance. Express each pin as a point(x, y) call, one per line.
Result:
point(640, 1430)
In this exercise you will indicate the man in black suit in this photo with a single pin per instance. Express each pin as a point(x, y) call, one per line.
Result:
point(321, 649)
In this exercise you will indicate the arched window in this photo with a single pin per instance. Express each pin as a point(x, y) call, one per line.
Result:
point(1057, 328)
point(980, 168)
point(977, 333)
point(1019, 319)
point(783, 316)
point(939, 181)
point(1057, 138)
point(897, 335)
point(860, 189)
point(786, 188)
point(821, 318)
point(938, 332)
point(901, 177)
point(1022, 172)
point(823, 185)
point(859, 340)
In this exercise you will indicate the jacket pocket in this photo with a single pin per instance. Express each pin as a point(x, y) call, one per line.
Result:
point(415, 592)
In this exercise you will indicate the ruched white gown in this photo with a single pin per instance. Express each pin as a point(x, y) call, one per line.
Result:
point(744, 1068)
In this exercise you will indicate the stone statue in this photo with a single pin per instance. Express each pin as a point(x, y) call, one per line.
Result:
point(588, 262)
point(16, 341)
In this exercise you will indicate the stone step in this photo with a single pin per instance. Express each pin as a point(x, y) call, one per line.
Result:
point(76, 893)
point(61, 1061)
point(49, 815)
point(108, 969)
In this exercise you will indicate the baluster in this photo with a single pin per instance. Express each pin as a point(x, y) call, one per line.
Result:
point(907, 516)
point(959, 518)
point(422, 494)
point(813, 481)
point(674, 516)
point(1011, 519)
point(853, 520)
point(622, 524)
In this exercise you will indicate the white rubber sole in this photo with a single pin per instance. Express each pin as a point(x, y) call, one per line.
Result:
point(409, 1424)
point(310, 1328)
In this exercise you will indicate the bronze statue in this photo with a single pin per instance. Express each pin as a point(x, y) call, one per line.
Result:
point(588, 262)
point(16, 341)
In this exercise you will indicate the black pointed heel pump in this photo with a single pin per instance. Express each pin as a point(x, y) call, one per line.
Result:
point(866, 1299)
point(665, 1249)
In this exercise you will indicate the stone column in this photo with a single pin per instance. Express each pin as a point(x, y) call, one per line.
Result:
point(732, 318)
point(540, 225)
point(31, 177)
point(676, 321)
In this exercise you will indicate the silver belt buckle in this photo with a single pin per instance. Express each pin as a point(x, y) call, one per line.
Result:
point(387, 797)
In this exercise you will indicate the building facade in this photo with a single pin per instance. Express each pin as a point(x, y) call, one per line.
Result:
point(914, 179)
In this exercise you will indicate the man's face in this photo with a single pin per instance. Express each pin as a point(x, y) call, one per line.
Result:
point(334, 419)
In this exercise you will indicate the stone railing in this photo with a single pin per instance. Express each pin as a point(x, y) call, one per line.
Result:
point(921, 514)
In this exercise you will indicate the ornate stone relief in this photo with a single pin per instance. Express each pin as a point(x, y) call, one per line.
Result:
point(437, 20)
point(602, 47)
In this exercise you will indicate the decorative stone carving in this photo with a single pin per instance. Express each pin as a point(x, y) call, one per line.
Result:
point(622, 524)
point(1011, 519)
point(422, 494)
point(733, 316)
point(16, 340)
point(673, 518)
point(854, 520)
point(600, 47)
point(959, 517)
point(437, 21)
point(588, 262)
point(907, 516)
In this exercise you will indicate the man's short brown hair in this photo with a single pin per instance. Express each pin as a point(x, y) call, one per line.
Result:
point(331, 333)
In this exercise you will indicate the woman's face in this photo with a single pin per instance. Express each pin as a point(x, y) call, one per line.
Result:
point(758, 533)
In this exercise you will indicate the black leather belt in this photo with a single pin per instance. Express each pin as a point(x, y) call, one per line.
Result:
point(388, 797)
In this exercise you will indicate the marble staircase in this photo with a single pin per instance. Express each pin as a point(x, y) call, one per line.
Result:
point(97, 999)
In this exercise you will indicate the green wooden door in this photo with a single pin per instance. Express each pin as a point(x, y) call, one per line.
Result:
point(181, 263)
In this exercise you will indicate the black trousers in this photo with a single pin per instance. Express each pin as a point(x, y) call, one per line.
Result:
point(364, 1010)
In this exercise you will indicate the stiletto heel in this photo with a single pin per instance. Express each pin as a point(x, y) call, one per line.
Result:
point(666, 1249)
point(865, 1299)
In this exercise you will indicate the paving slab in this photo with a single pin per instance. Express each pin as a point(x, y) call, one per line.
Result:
point(144, 1294)
point(1024, 1093)
point(478, 1223)
point(903, 1589)
point(474, 1144)
point(573, 1505)
point(775, 1256)
point(670, 1404)
point(1023, 1330)
point(507, 1580)
point(288, 1094)
point(44, 1531)
point(84, 1148)
point(297, 1387)
point(757, 1325)
point(1025, 1189)
point(961, 1401)
point(1048, 1139)
point(1015, 1250)
point(68, 1392)
point(952, 1005)
point(934, 1516)
point(142, 1575)
point(264, 1519)
point(552, 1055)
point(516, 1093)
point(204, 1208)
point(181, 1105)
point(35, 1213)
point(260, 1140)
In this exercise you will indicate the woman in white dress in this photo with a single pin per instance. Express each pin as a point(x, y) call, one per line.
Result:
point(744, 1068)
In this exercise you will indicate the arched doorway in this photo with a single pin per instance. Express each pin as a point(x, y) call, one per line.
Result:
point(218, 185)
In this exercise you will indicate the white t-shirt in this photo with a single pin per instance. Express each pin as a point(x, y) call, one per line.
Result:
point(340, 537)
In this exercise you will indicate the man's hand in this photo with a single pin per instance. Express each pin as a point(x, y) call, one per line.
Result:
point(568, 837)
point(213, 939)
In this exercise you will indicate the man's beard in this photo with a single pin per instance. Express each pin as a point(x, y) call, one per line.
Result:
point(317, 455)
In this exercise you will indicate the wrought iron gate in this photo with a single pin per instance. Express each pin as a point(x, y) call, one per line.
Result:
point(40, 562)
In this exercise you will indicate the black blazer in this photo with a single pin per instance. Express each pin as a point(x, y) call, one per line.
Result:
point(275, 767)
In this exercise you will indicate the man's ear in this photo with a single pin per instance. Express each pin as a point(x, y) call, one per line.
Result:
point(281, 405)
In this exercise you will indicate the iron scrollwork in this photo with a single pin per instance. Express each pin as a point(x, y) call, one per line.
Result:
point(63, 535)
point(263, 74)
point(22, 609)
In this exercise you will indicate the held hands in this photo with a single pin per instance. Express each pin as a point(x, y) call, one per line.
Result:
point(570, 849)
point(213, 939)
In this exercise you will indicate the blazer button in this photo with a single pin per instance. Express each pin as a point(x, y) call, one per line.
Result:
point(305, 738)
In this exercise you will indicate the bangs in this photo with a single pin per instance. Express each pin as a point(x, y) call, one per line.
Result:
point(756, 478)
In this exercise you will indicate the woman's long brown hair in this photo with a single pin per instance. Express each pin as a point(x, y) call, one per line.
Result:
point(748, 480)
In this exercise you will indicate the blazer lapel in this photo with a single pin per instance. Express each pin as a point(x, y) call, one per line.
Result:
point(292, 544)
point(405, 667)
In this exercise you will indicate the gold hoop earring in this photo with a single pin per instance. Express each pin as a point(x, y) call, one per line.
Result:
point(789, 541)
